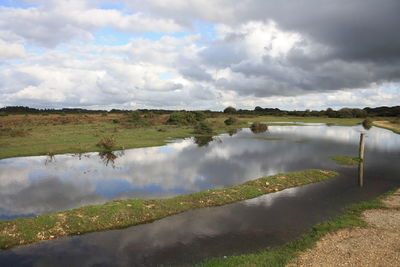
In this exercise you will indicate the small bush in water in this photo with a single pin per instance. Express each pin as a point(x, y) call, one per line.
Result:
point(367, 124)
point(258, 127)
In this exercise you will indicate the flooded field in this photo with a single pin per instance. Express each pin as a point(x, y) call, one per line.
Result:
point(36, 185)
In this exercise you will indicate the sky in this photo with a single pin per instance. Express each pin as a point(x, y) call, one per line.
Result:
point(199, 54)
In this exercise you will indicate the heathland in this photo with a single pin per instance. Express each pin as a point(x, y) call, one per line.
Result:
point(44, 134)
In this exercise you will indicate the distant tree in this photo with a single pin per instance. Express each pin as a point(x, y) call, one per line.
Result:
point(330, 113)
point(258, 109)
point(344, 113)
point(230, 110)
point(359, 113)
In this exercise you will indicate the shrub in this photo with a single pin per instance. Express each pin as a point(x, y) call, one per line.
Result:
point(182, 118)
point(107, 143)
point(230, 121)
point(203, 128)
point(200, 115)
point(2, 114)
point(258, 127)
point(116, 121)
point(367, 124)
point(149, 115)
point(135, 117)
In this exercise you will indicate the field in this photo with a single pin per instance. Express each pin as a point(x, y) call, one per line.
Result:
point(29, 135)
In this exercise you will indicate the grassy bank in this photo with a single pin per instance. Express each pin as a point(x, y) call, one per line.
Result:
point(393, 126)
point(55, 134)
point(330, 121)
point(346, 160)
point(283, 255)
point(124, 213)
point(30, 135)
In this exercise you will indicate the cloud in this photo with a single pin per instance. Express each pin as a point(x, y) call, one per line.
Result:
point(11, 50)
point(252, 52)
point(56, 22)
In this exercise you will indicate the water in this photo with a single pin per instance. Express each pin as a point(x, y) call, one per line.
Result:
point(35, 185)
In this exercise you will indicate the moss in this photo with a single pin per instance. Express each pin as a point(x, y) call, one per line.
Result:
point(124, 213)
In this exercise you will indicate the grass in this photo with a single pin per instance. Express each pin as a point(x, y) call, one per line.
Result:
point(81, 132)
point(282, 255)
point(346, 160)
point(125, 213)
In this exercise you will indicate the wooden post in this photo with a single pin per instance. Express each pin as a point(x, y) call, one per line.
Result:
point(361, 158)
point(362, 147)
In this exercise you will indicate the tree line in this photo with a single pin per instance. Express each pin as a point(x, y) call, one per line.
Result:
point(341, 113)
point(329, 112)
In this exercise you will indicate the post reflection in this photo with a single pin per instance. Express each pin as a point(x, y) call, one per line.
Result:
point(361, 173)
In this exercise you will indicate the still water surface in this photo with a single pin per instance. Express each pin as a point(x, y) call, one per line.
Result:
point(34, 185)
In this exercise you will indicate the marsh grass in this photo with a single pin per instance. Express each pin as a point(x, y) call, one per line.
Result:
point(15, 132)
point(125, 213)
point(346, 160)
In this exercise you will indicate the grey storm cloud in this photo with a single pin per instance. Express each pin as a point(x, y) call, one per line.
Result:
point(355, 30)
point(353, 43)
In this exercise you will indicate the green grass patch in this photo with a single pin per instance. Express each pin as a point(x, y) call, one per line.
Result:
point(124, 213)
point(282, 255)
point(346, 160)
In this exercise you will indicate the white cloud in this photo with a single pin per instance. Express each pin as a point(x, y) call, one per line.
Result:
point(51, 24)
point(11, 50)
